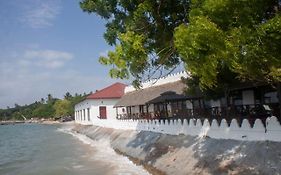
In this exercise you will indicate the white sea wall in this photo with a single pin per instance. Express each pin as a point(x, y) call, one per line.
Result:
point(156, 82)
point(185, 154)
point(193, 127)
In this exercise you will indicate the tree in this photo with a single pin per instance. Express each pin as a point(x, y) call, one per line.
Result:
point(49, 98)
point(63, 108)
point(67, 96)
point(142, 33)
point(44, 111)
point(210, 37)
point(241, 36)
point(41, 109)
point(17, 116)
point(42, 100)
point(17, 105)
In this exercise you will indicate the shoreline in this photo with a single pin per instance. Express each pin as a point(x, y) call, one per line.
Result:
point(162, 154)
point(45, 122)
point(152, 170)
point(11, 122)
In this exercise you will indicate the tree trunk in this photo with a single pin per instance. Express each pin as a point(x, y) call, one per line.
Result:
point(279, 97)
point(227, 104)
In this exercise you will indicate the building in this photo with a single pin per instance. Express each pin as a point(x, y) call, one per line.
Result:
point(165, 99)
point(248, 112)
point(100, 105)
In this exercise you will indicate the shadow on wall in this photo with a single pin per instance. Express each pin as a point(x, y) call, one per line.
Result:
point(243, 157)
point(211, 155)
point(185, 154)
point(154, 145)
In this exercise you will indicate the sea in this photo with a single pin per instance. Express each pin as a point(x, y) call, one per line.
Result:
point(35, 149)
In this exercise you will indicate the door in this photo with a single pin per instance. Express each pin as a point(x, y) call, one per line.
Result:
point(103, 112)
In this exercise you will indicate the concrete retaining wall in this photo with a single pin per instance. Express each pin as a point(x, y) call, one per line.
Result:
point(194, 127)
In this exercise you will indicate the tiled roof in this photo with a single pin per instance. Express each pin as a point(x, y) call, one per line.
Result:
point(115, 90)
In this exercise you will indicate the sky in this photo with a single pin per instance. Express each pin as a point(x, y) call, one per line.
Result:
point(49, 47)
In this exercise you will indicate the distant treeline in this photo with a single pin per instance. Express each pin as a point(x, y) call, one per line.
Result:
point(45, 108)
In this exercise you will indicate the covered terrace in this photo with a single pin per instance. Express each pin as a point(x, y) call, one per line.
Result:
point(159, 102)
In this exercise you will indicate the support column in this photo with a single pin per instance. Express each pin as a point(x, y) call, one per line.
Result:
point(147, 112)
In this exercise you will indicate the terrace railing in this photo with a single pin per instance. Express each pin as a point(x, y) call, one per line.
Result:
point(239, 112)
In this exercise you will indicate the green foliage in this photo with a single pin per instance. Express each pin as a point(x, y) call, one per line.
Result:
point(67, 96)
point(44, 111)
point(129, 56)
point(202, 48)
point(62, 108)
point(16, 116)
point(220, 42)
point(51, 108)
point(240, 36)
point(142, 32)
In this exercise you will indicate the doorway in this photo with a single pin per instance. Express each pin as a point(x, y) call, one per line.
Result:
point(103, 112)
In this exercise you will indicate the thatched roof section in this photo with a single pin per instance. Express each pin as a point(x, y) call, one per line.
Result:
point(142, 96)
point(167, 97)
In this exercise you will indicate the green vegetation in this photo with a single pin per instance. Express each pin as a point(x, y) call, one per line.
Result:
point(63, 107)
point(219, 42)
point(50, 108)
point(232, 35)
point(142, 32)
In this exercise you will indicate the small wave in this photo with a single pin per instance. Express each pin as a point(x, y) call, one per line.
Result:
point(78, 166)
point(121, 165)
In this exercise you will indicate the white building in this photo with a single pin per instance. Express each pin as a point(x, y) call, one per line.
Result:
point(166, 99)
point(100, 105)
point(163, 106)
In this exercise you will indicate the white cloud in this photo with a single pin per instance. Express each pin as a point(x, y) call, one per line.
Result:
point(46, 58)
point(25, 76)
point(48, 54)
point(24, 85)
point(40, 13)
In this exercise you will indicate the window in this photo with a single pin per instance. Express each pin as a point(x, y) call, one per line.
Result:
point(271, 97)
point(84, 114)
point(78, 115)
point(88, 111)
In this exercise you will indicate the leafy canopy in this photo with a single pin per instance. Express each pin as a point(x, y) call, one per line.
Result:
point(62, 108)
point(242, 36)
point(142, 33)
point(218, 41)
point(50, 108)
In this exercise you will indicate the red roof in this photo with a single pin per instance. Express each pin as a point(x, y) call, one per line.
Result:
point(116, 90)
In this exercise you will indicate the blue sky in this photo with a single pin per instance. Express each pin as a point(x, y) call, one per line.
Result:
point(49, 46)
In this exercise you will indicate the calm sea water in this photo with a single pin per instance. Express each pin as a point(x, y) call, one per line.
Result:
point(33, 149)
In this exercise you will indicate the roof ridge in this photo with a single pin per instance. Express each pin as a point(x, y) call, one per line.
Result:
point(99, 93)
point(109, 86)
point(157, 86)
